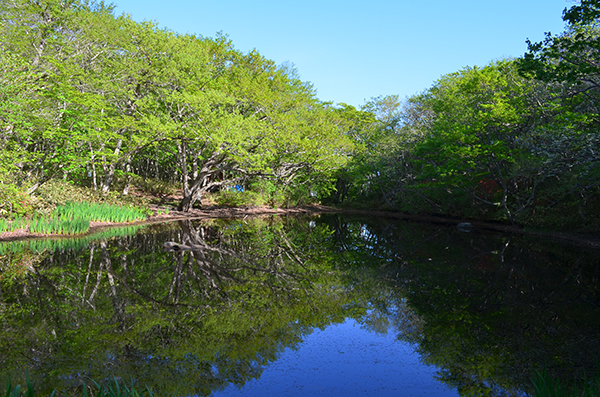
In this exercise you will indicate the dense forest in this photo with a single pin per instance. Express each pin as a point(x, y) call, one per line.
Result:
point(96, 100)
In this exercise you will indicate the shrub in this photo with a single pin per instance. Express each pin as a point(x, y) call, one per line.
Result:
point(234, 198)
point(546, 386)
point(155, 187)
point(13, 201)
point(56, 192)
point(268, 192)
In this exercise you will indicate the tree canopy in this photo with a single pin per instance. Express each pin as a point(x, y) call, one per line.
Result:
point(91, 97)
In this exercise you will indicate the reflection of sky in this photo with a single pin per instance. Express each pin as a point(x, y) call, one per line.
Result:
point(346, 360)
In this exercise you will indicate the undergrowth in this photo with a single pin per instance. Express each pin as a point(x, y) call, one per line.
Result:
point(546, 386)
point(111, 388)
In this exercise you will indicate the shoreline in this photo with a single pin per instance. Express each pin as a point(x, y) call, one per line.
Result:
point(208, 212)
point(211, 212)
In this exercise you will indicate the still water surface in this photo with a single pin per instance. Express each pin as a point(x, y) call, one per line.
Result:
point(327, 305)
point(346, 360)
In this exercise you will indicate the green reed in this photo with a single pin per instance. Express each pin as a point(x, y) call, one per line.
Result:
point(59, 225)
point(17, 223)
point(74, 218)
point(545, 386)
point(16, 391)
point(109, 388)
point(101, 212)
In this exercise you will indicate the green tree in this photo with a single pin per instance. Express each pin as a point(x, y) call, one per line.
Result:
point(43, 36)
point(15, 90)
point(242, 118)
point(471, 146)
point(567, 64)
point(571, 56)
point(371, 130)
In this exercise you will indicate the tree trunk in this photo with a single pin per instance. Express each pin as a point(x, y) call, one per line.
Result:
point(185, 204)
point(190, 199)
point(128, 178)
point(93, 164)
point(109, 172)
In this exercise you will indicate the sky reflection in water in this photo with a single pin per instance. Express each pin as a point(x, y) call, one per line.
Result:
point(346, 359)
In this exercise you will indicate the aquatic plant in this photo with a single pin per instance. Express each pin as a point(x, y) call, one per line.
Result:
point(546, 386)
point(112, 388)
point(74, 218)
point(18, 392)
point(59, 225)
point(101, 212)
point(16, 224)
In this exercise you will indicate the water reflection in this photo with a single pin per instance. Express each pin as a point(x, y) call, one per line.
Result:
point(205, 317)
point(487, 310)
point(493, 307)
point(346, 360)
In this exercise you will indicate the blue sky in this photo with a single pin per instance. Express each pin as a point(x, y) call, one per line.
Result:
point(352, 51)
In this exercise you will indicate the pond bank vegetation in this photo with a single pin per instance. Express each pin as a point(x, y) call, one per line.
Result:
point(73, 219)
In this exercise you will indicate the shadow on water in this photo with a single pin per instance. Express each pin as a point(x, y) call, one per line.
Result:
point(486, 309)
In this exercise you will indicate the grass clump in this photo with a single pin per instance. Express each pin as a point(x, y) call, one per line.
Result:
point(61, 208)
point(101, 212)
point(59, 225)
point(17, 391)
point(16, 224)
point(112, 388)
point(545, 386)
point(74, 218)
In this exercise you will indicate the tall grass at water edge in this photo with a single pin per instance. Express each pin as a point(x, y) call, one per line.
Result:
point(59, 225)
point(15, 224)
point(113, 388)
point(74, 218)
point(545, 386)
point(101, 212)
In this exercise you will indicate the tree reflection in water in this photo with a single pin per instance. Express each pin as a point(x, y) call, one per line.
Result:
point(205, 317)
point(490, 308)
point(486, 309)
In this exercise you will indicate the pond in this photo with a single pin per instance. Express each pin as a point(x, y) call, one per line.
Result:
point(299, 305)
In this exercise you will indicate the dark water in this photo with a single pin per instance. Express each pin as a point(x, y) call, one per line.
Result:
point(324, 305)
